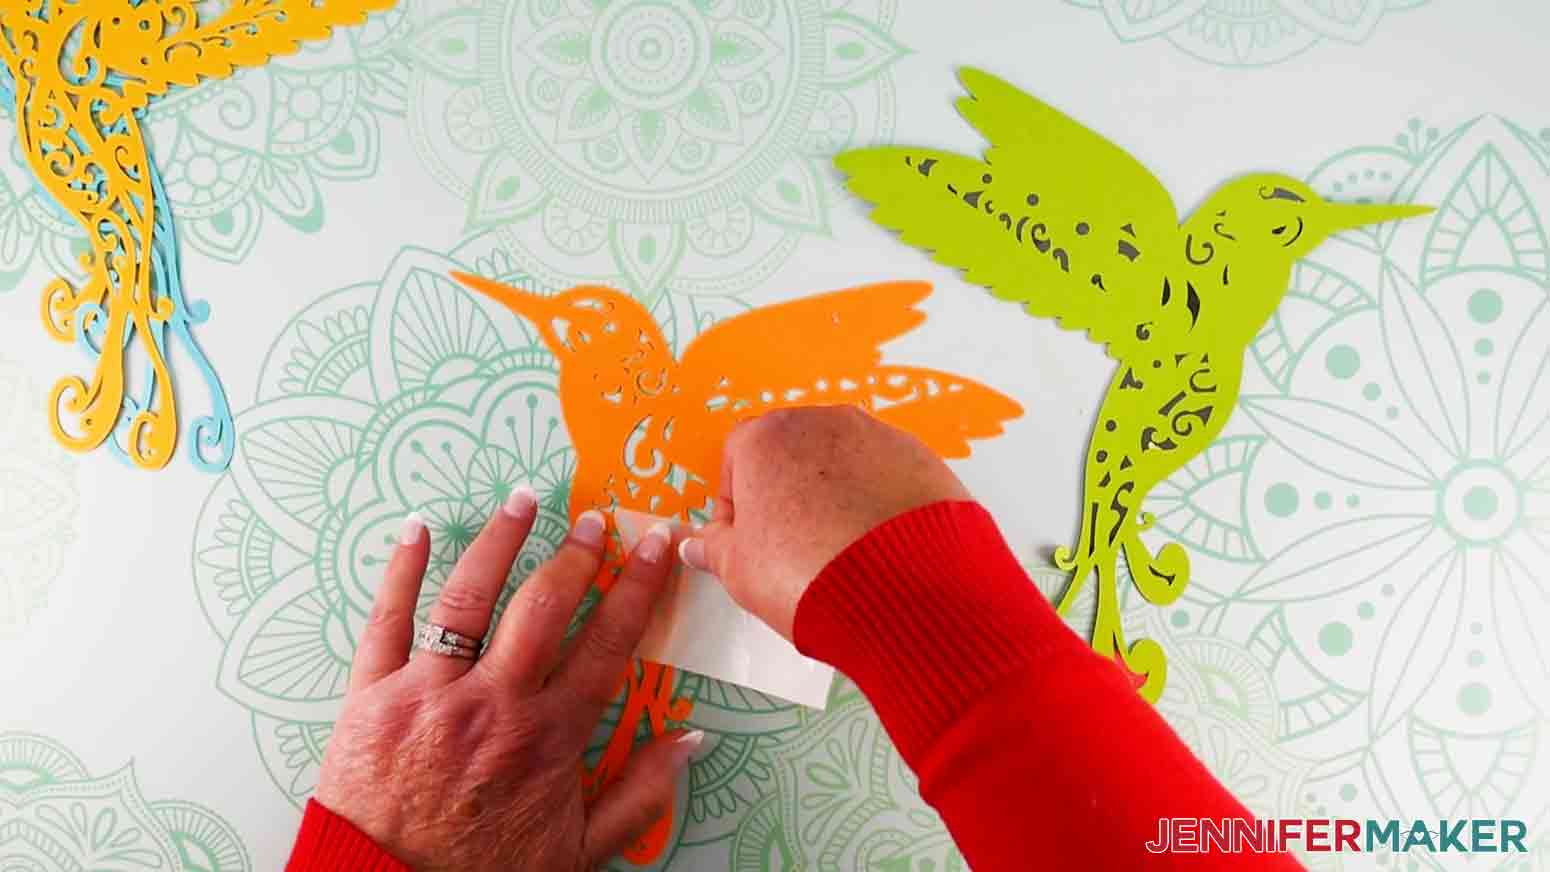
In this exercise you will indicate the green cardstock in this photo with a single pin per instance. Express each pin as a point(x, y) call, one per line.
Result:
point(1064, 222)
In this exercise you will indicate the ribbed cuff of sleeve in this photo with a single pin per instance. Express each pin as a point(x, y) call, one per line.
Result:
point(329, 843)
point(927, 613)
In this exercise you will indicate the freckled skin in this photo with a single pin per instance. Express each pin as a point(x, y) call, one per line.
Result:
point(1069, 225)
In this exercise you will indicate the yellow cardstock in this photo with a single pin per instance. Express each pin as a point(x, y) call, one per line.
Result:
point(1064, 222)
point(82, 72)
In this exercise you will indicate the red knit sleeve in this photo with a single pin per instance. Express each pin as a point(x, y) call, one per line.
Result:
point(329, 843)
point(1036, 752)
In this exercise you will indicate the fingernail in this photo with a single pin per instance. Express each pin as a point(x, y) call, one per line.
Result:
point(521, 502)
point(657, 540)
point(692, 553)
point(410, 531)
point(589, 528)
point(685, 746)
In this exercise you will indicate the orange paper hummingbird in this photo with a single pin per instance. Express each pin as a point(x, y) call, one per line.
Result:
point(648, 427)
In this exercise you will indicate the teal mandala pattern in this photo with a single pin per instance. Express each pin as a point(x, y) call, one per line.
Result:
point(656, 145)
point(1244, 33)
point(378, 399)
point(36, 238)
point(409, 393)
point(1373, 530)
point(842, 798)
point(56, 817)
point(39, 502)
point(259, 147)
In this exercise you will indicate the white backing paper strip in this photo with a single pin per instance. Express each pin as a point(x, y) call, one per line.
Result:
point(698, 627)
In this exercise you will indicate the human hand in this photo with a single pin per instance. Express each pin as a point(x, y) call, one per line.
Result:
point(797, 487)
point(454, 764)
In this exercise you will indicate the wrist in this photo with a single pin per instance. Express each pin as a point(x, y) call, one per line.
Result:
point(329, 841)
point(928, 613)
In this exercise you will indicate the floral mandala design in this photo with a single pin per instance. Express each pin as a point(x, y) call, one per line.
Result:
point(33, 229)
point(1372, 529)
point(235, 151)
point(843, 799)
point(1244, 34)
point(650, 144)
point(375, 400)
point(38, 502)
point(260, 144)
point(55, 816)
point(411, 393)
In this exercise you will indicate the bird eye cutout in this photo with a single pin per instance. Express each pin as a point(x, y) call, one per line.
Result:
point(1280, 194)
point(1279, 230)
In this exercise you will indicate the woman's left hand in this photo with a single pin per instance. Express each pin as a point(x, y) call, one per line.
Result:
point(450, 763)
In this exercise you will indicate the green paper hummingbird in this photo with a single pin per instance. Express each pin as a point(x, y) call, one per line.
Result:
point(1072, 227)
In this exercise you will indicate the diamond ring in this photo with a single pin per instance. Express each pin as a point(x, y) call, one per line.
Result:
point(440, 640)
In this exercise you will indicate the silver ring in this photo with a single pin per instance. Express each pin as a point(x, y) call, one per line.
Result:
point(440, 640)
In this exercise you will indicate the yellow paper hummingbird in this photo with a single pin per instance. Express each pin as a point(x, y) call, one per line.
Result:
point(82, 70)
point(1065, 222)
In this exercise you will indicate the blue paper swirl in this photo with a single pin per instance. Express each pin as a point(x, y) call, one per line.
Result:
point(212, 436)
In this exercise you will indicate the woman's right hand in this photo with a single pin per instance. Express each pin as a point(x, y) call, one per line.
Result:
point(797, 487)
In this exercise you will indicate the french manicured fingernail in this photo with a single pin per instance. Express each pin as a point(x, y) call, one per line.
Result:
point(655, 545)
point(684, 747)
point(589, 528)
point(521, 502)
point(410, 531)
point(692, 553)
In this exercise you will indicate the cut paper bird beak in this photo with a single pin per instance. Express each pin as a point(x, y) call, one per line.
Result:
point(1348, 216)
point(533, 307)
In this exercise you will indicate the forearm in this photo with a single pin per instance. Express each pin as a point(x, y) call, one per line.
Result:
point(1028, 743)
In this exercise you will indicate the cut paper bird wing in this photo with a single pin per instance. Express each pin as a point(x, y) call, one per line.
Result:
point(943, 410)
point(1055, 216)
point(823, 350)
point(155, 46)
